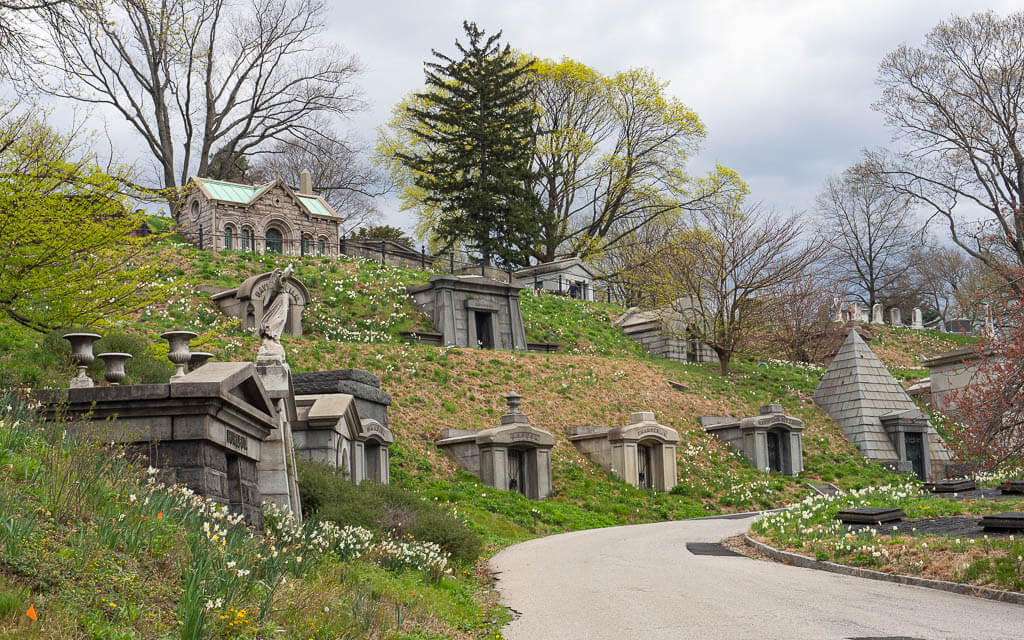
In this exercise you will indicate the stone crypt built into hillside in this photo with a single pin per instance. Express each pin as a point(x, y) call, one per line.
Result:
point(641, 453)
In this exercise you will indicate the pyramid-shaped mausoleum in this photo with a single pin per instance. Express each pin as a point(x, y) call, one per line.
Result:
point(876, 414)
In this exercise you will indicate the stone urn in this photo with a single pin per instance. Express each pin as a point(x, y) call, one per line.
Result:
point(113, 366)
point(81, 354)
point(198, 359)
point(178, 352)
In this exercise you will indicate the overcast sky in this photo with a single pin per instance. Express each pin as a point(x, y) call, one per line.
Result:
point(784, 88)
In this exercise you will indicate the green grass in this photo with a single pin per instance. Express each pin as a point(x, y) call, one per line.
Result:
point(102, 552)
point(810, 528)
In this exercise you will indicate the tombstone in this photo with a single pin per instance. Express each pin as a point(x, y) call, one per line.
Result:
point(855, 313)
point(870, 515)
point(959, 325)
point(206, 430)
point(329, 429)
point(988, 329)
point(513, 457)
point(771, 441)
point(473, 311)
point(837, 310)
point(877, 314)
point(642, 453)
point(917, 322)
point(247, 302)
point(895, 317)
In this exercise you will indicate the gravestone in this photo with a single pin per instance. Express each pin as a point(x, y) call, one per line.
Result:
point(1012, 487)
point(248, 301)
point(877, 314)
point(895, 317)
point(1009, 521)
point(206, 430)
point(513, 457)
point(837, 310)
point(771, 441)
point(917, 321)
point(855, 313)
point(641, 453)
point(870, 515)
point(951, 486)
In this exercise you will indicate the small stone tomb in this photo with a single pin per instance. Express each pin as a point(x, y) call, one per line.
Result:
point(247, 302)
point(206, 430)
point(641, 453)
point(473, 311)
point(1009, 521)
point(870, 515)
point(771, 441)
point(328, 429)
point(951, 486)
point(513, 457)
point(1012, 487)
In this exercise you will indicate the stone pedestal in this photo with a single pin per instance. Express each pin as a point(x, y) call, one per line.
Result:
point(278, 481)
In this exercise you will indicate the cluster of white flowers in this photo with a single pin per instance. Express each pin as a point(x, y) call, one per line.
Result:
point(804, 366)
point(281, 529)
point(424, 556)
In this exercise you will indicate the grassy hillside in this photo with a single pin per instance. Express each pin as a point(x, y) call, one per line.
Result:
point(599, 378)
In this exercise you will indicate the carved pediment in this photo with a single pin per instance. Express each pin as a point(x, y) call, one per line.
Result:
point(235, 381)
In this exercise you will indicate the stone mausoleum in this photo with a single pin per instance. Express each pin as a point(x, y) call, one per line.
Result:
point(266, 218)
point(206, 430)
point(877, 415)
point(641, 453)
point(513, 457)
point(328, 429)
point(473, 311)
point(771, 441)
point(248, 301)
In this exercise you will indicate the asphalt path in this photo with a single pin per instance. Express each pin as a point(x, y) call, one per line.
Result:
point(640, 582)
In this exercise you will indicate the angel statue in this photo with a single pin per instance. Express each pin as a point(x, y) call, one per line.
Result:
point(275, 316)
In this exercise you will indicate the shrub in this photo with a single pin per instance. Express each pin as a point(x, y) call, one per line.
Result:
point(327, 495)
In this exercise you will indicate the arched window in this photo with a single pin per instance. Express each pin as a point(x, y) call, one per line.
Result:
point(247, 240)
point(306, 242)
point(275, 241)
point(321, 246)
point(195, 208)
point(229, 238)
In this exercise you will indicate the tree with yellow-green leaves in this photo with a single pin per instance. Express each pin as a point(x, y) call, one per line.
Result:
point(610, 154)
point(69, 258)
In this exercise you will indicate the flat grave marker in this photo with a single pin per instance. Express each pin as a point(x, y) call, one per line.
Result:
point(870, 515)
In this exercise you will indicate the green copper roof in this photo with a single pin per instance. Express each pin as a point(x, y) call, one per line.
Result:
point(242, 194)
point(315, 205)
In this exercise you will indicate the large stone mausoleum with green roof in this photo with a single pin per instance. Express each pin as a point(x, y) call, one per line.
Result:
point(269, 217)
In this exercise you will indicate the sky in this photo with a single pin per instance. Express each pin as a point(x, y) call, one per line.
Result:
point(784, 88)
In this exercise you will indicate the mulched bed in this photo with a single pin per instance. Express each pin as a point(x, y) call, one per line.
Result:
point(958, 526)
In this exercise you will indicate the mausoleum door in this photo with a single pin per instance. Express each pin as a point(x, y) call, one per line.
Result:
point(371, 463)
point(644, 466)
point(517, 471)
point(776, 450)
point(484, 335)
point(914, 446)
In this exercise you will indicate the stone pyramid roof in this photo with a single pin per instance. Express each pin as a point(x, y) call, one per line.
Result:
point(856, 391)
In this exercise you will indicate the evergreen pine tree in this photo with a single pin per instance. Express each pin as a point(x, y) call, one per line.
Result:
point(477, 121)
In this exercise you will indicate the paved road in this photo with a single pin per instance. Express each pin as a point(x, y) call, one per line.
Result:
point(641, 583)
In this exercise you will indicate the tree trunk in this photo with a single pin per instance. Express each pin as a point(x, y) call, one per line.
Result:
point(723, 361)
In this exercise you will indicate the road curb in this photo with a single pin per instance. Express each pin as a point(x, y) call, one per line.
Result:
point(795, 559)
